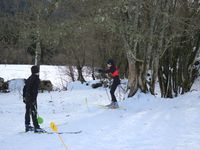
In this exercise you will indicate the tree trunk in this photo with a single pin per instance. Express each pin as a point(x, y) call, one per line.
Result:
point(37, 54)
point(132, 79)
point(71, 72)
point(38, 44)
point(80, 74)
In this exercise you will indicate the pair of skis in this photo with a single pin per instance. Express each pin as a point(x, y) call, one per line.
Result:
point(107, 107)
point(67, 132)
point(54, 128)
point(49, 132)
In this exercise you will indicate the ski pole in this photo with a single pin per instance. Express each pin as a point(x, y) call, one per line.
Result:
point(119, 92)
point(55, 129)
point(107, 94)
point(86, 104)
point(39, 118)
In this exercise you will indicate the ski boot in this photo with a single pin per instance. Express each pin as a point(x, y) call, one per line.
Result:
point(113, 105)
point(29, 128)
point(39, 130)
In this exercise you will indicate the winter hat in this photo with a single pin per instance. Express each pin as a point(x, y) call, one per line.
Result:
point(34, 69)
point(110, 61)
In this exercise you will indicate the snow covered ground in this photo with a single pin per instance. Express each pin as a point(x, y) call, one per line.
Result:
point(58, 75)
point(143, 122)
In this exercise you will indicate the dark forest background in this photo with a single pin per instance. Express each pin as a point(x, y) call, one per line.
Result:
point(158, 39)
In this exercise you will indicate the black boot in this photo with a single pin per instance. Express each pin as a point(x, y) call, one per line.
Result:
point(28, 128)
point(39, 130)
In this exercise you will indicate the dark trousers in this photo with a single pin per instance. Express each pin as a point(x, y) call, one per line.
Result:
point(31, 111)
point(112, 91)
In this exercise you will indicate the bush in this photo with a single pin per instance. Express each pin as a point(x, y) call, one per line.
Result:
point(3, 86)
point(46, 85)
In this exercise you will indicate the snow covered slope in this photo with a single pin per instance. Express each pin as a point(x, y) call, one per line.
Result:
point(143, 122)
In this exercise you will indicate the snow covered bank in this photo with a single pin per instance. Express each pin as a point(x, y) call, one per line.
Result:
point(143, 122)
point(56, 74)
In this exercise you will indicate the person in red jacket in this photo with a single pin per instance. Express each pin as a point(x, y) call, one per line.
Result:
point(114, 72)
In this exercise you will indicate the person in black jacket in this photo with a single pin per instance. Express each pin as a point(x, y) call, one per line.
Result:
point(114, 72)
point(30, 92)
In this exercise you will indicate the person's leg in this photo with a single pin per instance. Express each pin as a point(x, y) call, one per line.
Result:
point(112, 91)
point(34, 116)
point(28, 126)
point(27, 115)
point(37, 128)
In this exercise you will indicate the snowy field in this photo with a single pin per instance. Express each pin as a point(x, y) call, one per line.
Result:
point(143, 122)
point(58, 75)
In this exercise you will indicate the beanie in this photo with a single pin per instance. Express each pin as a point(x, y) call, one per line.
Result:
point(110, 61)
point(34, 69)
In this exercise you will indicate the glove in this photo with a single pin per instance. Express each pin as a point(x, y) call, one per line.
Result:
point(34, 103)
point(24, 100)
point(100, 70)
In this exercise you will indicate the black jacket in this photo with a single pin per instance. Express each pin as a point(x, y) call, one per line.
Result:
point(30, 90)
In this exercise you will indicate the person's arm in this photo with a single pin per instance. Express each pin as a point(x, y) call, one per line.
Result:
point(24, 90)
point(35, 86)
point(27, 90)
point(110, 70)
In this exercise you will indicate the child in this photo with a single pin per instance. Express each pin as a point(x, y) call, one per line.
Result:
point(113, 70)
point(30, 92)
